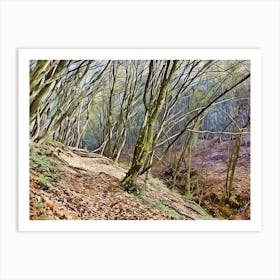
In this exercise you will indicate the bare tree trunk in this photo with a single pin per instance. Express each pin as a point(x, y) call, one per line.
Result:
point(47, 88)
point(232, 166)
point(145, 140)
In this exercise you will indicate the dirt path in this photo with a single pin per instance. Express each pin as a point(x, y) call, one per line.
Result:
point(91, 162)
point(88, 188)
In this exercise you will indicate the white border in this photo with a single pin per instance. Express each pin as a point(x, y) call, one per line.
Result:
point(255, 224)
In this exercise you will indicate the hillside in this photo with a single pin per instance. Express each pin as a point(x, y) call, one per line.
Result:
point(74, 184)
point(210, 163)
point(178, 129)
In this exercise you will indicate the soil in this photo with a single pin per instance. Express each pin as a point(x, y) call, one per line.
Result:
point(209, 168)
point(86, 186)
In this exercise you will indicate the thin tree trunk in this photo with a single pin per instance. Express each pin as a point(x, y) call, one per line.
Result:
point(232, 166)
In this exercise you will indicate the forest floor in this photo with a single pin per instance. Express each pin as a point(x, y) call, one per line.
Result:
point(68, 183)
point(74, 184)
point(210, 165)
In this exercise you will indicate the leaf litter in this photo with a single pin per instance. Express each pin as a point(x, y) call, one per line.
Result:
point(88, 188)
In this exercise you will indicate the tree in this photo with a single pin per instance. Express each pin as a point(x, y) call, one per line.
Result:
point(145, 139)
point(144, 146)
point(57, 90)
point(152, 106)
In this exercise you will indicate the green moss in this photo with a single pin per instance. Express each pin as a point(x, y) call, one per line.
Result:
point(125, 165)
point(39, 205)
point(159, 205)
point(198, 208)
point(52, 175)
point(38, 208)
point(189, 196)
point(41, 162)
point(175, 215)
point(233, 202)
point(156, 182)
point(227, 210)
point(45, 217)
point(45, 183)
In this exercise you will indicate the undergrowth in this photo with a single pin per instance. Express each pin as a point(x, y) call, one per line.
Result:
point(38, 211)
point(45, 166)
point(156, 182)
point(44, 183)
point(124, 165)
point(41, 162)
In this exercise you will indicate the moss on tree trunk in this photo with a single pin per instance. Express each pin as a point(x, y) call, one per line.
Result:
point(145, 140)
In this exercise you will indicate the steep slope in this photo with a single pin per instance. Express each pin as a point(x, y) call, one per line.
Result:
point(76, 184)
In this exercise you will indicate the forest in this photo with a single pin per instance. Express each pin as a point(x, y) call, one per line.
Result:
point(139, 139)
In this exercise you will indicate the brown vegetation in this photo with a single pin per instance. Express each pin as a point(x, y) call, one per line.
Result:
point(87, 186)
